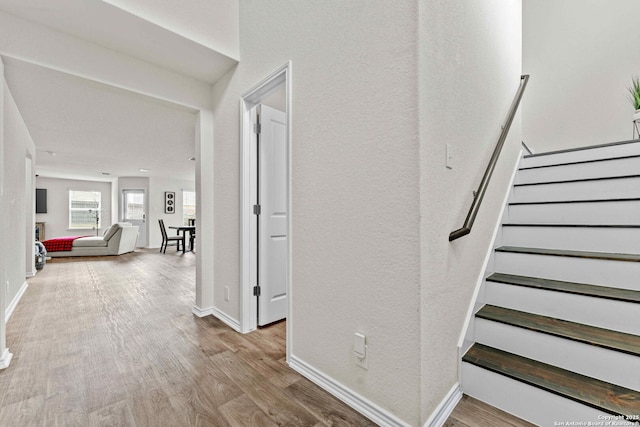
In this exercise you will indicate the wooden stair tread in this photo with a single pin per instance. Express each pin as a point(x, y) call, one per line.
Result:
point(606, 338)
point(572, 254)
point(588, 147)
point(573, 225)
point(567, 287)
point(567, 181)
point(580, 388)
point(596, 393)
point(580, 162)
point(561, 202)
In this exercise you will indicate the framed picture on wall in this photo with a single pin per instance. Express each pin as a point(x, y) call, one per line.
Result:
point(169, 202)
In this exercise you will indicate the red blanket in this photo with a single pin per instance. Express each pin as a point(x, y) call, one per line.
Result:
point(60, 243)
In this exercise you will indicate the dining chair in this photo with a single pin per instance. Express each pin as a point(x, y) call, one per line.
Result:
point(166, 239)
point(192, 235)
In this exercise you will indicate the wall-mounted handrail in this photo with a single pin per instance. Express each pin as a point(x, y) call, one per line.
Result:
point(482, 188)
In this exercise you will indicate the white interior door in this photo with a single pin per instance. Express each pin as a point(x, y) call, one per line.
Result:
point(134, 211)
point(273, 245)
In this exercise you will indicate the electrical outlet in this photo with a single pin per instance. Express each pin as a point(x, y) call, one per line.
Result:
point(226, 293)
point(360, 350)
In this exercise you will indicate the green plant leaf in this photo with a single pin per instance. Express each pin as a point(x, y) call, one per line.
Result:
point(634, 92)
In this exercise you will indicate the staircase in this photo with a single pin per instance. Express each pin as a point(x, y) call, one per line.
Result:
point(556, 332)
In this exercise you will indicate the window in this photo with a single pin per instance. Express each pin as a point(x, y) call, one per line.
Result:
point(84, 209)
point(133, 205)
point(188, 206)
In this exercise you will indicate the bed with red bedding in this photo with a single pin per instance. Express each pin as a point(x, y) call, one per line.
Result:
point(118, 239)
point(60, 243)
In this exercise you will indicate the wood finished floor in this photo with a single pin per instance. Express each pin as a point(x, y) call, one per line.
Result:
point(111, 341)
point(471, 412)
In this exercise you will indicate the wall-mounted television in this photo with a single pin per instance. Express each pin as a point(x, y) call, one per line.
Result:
point(41, 200)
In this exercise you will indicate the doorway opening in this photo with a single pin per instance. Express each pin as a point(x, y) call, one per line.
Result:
point(134, 210)
point(266, 202)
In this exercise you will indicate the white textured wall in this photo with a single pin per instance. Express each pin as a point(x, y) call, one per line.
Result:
point(30, 215)
point(157, 188)
point(355, 185)
point(16, 207)
point(212, 23)
point(205, 195)
point(5, 252)
point(470, 67)
point(57, 216)
point(581, 55)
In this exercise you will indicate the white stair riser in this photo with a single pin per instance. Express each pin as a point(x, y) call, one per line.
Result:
point(565, 306)
point(595, 362)
point(615, 167)
point(614, 240)
point(608, 152)
point(618, 188)
point(528, 402)
point(617, 274)
point(594, 213)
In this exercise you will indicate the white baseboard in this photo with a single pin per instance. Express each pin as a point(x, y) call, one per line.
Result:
point(202, 312)
point(5, 360)
point(31, 273)
point(230, 321)
point(14, 303)
point(212, 311)
point(361, 404)
point(445, 408)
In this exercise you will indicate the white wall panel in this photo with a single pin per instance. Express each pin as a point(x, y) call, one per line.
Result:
point(578, 54)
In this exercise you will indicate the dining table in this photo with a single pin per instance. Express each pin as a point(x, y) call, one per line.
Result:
point(184, 229)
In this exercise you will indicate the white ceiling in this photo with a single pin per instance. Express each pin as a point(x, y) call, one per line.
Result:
point(95, 128)
point(109, 26)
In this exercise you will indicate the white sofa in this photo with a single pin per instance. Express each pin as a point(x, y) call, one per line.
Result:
point(118, 239)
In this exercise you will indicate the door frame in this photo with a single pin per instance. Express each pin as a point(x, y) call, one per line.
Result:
point(123, 210)
point(248, 189)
